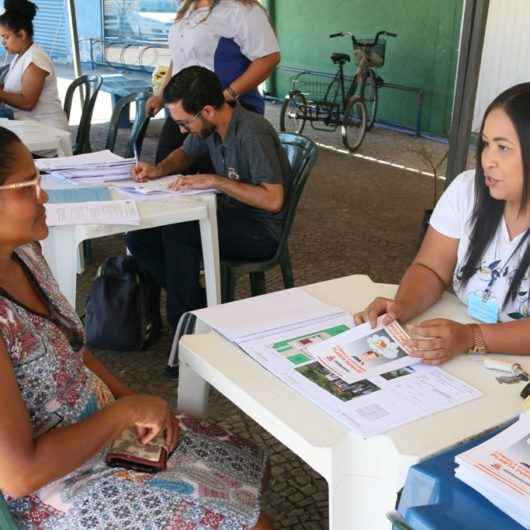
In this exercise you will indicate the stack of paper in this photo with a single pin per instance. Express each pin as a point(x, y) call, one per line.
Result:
point(91, 168)
point(499, 469)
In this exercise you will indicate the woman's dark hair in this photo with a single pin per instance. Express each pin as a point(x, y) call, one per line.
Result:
point(195, 87)
point(8, 156)
point(488, 212)
point(19, 15)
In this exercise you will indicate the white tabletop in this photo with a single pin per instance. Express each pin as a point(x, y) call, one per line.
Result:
point(381, 461)
point(263, 395)
point(38, 136)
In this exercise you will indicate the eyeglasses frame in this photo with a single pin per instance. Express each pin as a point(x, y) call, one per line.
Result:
point(36, 182)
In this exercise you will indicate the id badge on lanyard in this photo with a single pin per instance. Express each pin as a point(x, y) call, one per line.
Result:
point(483, 306)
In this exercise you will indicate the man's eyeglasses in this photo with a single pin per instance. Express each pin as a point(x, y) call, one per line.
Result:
point(35, 183)
point(185, 124)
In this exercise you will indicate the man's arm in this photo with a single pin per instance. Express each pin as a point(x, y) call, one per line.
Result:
point(176, 162)
point(265, 196)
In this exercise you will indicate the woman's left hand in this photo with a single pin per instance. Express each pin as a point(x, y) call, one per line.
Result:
point(438, 340)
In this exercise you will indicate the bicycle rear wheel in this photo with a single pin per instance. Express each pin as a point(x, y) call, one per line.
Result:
point(370, 96)
point(354, 123)
point(294, 112)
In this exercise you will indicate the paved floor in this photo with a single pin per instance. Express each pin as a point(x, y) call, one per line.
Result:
point(359, 213)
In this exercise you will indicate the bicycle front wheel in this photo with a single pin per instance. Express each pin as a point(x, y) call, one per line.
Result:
point(369, 95)
point(354, 122)
point(294, 112)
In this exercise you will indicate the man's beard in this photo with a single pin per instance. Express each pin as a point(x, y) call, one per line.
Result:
point(207, 129)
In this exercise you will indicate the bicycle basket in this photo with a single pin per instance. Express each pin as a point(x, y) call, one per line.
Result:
point(375, 53)
point(315, 87)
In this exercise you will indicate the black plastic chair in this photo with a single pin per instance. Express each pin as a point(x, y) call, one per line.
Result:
point(3, 72)
point(89, 85)
point(302, 154)
point(138, 127)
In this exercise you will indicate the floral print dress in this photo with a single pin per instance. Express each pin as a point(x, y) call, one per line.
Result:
point(213, 479)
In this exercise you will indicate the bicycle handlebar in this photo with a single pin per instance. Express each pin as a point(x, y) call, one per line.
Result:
point(355, 41)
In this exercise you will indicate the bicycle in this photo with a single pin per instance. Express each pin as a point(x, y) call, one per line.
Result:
point(355, 109)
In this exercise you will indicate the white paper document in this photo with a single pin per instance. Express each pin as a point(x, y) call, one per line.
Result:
point(72, 162)
point(91, 168)
point(243, 319)
point(362, 351)
point(100, 212)
point(154, 189)
point(366, 391)
point(499, 469)
point(364, 378)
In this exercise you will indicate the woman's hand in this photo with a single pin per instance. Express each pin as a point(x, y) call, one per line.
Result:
point(438, 340)
point(154, 104)
point(380, 306)
point(151, 415)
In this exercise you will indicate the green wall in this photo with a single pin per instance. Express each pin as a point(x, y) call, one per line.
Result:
point(424, 54)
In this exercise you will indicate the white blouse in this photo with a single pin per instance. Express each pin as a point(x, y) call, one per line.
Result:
point(452, 218)
point(225, 40)
point(48, 108)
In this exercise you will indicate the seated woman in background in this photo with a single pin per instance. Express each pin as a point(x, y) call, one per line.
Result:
point(30, 85)
point(60, 408)
point(478, 242)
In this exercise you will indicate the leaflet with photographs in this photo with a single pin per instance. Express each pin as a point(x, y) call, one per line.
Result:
point(352, 357)
point(499, 469)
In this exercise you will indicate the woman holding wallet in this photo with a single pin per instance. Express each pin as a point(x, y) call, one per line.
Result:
point(60, 409)
point(233, 38)
point(478, 243)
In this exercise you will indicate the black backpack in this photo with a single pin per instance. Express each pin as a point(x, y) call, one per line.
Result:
point(119, 314)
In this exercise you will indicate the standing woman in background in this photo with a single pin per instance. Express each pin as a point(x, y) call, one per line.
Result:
point(233, 38)
point(30, 86)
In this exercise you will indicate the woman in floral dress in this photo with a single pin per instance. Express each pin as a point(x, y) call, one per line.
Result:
point(60, 408)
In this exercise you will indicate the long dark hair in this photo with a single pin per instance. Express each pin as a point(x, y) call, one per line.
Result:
point(8, 156)
point(19, 15)
point(488, 212)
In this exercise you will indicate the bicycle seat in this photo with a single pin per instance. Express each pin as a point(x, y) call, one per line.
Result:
point(340, 58)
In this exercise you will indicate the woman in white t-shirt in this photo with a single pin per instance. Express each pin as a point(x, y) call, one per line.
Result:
point(234, 39)
point(478, 242)
point(30, 86)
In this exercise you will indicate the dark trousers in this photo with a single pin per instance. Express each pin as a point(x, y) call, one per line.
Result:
point(172, 255)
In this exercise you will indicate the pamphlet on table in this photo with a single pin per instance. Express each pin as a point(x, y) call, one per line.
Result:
point(363, 377)
point(499, 469)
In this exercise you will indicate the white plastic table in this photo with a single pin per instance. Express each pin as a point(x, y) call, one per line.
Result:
point(38, 136)
point(364, 476)
point(62, 245)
